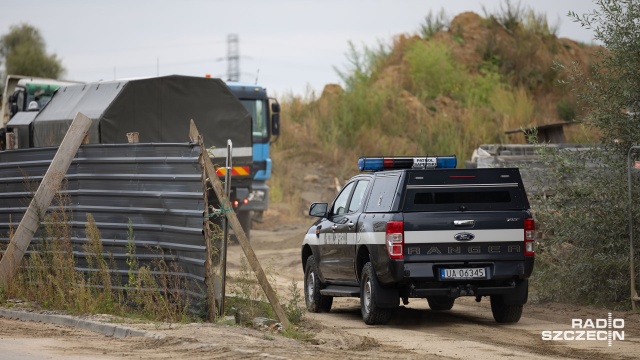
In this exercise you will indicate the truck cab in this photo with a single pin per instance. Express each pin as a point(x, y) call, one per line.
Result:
point(25, 93)
point(265, 114)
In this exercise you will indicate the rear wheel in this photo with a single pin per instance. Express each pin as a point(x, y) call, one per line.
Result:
point(440, 303)
point(503, 313)
point(369, 292)
point(315, 301)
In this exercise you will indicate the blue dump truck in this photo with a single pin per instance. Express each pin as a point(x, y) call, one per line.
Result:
point(265, 113)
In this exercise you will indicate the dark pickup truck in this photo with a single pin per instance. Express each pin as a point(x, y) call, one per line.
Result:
point(420, 228)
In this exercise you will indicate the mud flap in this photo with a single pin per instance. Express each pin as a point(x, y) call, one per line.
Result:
point(388, 298)
point(519, 295)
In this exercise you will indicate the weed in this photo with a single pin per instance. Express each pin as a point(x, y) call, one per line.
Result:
point(132, 261)
point(248, 300)
point(567, 109)
point(515, 106)
point(434, 23)
point(295, 333)
point(537, 23)
point(295, 305)
point(509, 16)
point(100, 276)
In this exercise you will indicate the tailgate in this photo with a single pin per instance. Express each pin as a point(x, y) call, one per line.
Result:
point(464, 236)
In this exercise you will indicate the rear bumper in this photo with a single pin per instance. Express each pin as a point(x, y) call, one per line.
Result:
point(419, 280)
point(495, 270)
point(515, 292)
point(457, 290)
point(258, 197)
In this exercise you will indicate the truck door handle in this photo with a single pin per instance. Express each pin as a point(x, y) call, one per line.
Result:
point(463, 222)
point(334, 227)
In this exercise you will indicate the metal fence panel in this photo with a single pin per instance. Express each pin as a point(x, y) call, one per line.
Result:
point(155, 187)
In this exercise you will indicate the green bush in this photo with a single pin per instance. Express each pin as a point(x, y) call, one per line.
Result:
point(567, 109)
point(434, 72)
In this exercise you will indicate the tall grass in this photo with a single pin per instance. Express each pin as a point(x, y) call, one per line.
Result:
point(248, 300)
point(514, 106)
point(434, 23)
point(53, 278)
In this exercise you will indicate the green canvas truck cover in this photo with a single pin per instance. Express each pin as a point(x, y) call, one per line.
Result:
point(159, 109)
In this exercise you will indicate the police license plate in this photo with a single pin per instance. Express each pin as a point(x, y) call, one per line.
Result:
point(464, 273)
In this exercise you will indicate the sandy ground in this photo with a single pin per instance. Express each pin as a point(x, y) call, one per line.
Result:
point(466, 332)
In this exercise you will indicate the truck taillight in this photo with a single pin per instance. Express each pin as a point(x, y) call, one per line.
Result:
point(529, 237)
point(395, 239)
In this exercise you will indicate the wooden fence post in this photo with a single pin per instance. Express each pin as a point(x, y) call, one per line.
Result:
point(237, 229)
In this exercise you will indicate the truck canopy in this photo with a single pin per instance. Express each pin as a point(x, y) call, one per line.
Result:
point(159, 109)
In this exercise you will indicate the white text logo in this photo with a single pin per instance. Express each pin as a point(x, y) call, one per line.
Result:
point(608, 329)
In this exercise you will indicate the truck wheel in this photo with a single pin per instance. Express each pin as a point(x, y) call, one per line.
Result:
point(503, 313)
point(440, 303)
point(369, 290)
point(315, 301)
point(244, 217)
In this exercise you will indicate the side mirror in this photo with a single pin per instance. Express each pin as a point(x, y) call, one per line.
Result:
point(275, 107)
point(275, 124)
point(318, 209)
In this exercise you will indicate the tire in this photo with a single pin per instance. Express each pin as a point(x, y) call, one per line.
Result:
point(503, 313)
point(315, 301)
point(369, 290)
point(440, 303)
point(244, 217)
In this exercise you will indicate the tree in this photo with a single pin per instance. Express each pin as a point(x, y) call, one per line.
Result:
point(585, 258)
point(23, 52)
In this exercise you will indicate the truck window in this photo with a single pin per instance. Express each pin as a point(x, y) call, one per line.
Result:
point(258, 110)
point(340, 205)
point(461, 197)
point(383, 192)
point(502, 197)
point(20, 101)
point(465, 190)
point(358, 196)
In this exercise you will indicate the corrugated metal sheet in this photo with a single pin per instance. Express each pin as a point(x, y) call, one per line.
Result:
point(157, 187)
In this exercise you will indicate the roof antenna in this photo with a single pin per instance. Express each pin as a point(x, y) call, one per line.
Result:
point(259, 63)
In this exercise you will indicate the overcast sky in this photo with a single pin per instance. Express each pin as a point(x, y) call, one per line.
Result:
point(290, 46)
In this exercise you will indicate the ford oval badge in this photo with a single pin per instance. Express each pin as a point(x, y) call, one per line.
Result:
point(464, 236)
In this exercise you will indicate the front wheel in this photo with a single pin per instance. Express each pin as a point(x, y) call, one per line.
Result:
point(369, 292)
point(315, 301)
point(503, 313)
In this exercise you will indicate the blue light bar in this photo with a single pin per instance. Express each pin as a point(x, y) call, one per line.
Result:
point(390, 163)
point(447, 162)
point(370, 164)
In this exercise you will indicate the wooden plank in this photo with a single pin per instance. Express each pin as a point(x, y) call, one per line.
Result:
point(209, 273)
point(42, 199)
point(237, 229)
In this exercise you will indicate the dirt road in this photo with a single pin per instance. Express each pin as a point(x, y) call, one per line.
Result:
point(466, 332)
